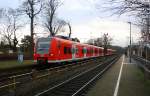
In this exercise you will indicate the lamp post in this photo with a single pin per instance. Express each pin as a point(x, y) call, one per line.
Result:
point(130, 44)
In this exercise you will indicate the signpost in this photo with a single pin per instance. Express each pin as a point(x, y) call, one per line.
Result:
point(20, 56)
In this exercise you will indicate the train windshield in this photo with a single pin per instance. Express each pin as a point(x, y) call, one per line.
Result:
point(43, 45)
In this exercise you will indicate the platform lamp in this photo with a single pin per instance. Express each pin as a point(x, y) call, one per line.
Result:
point(130, 44)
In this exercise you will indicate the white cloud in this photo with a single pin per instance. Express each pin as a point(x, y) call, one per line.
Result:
point(9, 3)
point(76, 5)
point(119, 31)
point(84, 20)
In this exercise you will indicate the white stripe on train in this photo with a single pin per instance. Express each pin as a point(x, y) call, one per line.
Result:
point(57, 61)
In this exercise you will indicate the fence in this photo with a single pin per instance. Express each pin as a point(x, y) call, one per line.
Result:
point(144, 65)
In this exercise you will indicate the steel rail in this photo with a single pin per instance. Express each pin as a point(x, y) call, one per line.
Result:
point(99, 74)
point(68, 80)
point(41, 76)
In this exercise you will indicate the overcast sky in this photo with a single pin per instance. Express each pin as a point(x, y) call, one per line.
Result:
point(87, 21)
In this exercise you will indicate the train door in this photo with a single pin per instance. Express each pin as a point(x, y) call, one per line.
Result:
point(59, 50)
point(84, 52)
point(73, 51)
point(77, 49)
point(93, 52)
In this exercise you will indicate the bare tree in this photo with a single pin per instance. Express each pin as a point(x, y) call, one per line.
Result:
point(120, 7)
point(11, 24)
point(32, 8)
point(106, 42)
point(133, 8)
point(52, 23)
point(7, 34)
point(90, 41)
point(70, 29)
point(98, 42)
point(57, 26)
point(138, 9)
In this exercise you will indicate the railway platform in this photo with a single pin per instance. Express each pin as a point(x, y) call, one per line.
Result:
point(122, 79)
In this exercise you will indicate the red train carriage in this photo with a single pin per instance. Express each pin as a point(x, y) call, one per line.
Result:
point(54, 49)
point(109, 51)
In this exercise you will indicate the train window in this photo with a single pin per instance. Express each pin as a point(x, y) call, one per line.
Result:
point(59, 44)
point(96, 51)
point(84, 50)
point(43, 45)
point(77, 50)
point(100, 51)
point(73, 50)
point(88, 51)
point(65, 50)
point(69, 50)
point(91, 51)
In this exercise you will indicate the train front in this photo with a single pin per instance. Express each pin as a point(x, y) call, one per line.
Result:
point(41, 50)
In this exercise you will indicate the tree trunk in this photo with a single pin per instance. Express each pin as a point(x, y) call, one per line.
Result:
point(10, 44)
point(15, 41)
point(32, 35)
point(105, 50)
point(70, 31)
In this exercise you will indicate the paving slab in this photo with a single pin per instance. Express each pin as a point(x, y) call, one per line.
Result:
point(106, 85)
point(132, 82)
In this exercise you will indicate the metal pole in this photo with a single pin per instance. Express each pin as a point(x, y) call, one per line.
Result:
point(130, 44)
point(147, 34)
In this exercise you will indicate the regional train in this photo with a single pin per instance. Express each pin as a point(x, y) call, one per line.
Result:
point(56, 50)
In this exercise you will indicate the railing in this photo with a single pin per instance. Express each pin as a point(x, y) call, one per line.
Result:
point(144, 64)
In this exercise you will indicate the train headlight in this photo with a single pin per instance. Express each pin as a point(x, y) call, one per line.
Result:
point(51, 54)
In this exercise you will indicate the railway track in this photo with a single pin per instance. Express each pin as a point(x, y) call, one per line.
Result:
point(77, 85)
point(19, 71)
point(29, 76)
point(5, 73)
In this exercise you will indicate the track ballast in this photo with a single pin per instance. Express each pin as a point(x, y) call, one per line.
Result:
point(78, 85)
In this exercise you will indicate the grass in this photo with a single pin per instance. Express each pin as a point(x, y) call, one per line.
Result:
point(14, 63)
point(133, 82)
point(142, 86)
point(142, 77)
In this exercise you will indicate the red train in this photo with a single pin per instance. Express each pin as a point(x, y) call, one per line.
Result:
point(54, 49)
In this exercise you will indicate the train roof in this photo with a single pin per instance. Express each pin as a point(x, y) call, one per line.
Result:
point(69, 41)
